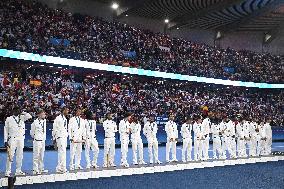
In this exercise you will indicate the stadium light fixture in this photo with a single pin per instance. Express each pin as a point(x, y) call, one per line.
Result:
point(126, 15)
point(114, 6)
point(166, 21)
point(177, 28)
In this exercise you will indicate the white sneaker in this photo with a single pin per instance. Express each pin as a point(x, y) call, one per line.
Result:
point(36, 173)
point(183, 161)
point(158, 162)
point(79, 167)
point(20, 173)
point(112, 165)
point(142, 162)
point(135, 163)
point(7, 174)
point(95, 166)
point(88, 167)
point(44, 171)
point(124, 165)
point(104, 165)
point(59, 171)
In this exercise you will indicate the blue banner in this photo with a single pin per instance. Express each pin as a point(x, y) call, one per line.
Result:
point(56, 41)
point(229, 70)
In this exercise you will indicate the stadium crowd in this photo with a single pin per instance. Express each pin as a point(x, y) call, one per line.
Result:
point(33, 87)
point(32, 27)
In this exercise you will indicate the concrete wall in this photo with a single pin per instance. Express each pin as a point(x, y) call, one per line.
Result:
point(88, 7)
point(195, 35)
point(237, 40)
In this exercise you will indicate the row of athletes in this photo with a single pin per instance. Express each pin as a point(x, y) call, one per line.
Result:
point(228, 136)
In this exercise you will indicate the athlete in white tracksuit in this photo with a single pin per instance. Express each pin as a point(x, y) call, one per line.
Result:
point(258, 139)
point(38, 133)
point(136, 141)
point(217, 143)
point(253, 138)
point(91, 140)
point(14, 136)
point(172, 136)
point(241, 144)
point(124, 131)
point(110, 129)
point(198, 137)
point(59, 135)
point(76, 130)
point(223, 127)
point(233, 139)
point(150, 131)
point(229, 134)
point(205, 143)
point(262, 135)
point(185, 132)
point(268, 141)
point(246, 129)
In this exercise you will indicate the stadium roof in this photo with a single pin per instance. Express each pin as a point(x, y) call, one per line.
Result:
point(224, 15)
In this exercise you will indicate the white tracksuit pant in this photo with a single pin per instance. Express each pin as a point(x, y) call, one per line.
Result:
point(170, 146)
point(229, 146)
point(252, 146)
point(263, 147)
point(217, 147)
point(186, 149)
point(258, 145)
point(233, 147)
point(241, 147)
point(109, 151)
point(268, 145)
point(38, 155)
point(137, 143)
point(18, 146)
point(124, 149)
point(205, 147)
point(224, 146)
point(94, 146)
point(61, 146)
point(197, 149)
point(75, 153)
point(153, 144)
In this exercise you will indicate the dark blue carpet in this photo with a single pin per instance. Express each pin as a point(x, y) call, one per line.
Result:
point(250, 176)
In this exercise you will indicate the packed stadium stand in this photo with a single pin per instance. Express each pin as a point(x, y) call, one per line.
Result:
point(236, 43)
